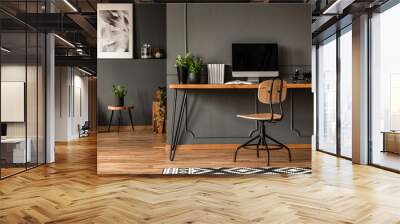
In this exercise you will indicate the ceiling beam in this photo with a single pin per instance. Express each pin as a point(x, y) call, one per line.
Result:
point(84, 24)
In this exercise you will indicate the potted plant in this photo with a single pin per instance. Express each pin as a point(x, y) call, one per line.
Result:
point(195, 67)
point(119, 93)
point(182, 68)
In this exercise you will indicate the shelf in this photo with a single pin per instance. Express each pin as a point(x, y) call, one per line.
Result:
point(149, 59)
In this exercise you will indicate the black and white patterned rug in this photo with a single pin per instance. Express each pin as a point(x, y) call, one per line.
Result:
point(237, 171)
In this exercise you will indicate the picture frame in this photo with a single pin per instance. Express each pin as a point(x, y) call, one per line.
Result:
point(115, 31)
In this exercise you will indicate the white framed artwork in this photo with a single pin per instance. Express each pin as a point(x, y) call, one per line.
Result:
point(114, 30)
point(12, 101)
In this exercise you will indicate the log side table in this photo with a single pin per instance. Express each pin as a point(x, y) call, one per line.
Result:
point(120, 109)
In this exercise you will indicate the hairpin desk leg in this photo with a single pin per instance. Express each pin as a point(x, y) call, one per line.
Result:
point(176, 130)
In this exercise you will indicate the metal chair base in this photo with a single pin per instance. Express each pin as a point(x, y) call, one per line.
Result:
point(262, 141)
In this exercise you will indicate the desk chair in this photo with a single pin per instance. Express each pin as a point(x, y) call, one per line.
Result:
point(271, 93)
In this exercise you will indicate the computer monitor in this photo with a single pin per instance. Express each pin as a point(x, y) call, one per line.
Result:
point(3, 130)
point(255, 60)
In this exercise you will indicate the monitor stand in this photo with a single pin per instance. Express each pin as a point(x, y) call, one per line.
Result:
point(253, 79)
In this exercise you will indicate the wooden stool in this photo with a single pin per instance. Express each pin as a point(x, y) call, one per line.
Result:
point(120, 109)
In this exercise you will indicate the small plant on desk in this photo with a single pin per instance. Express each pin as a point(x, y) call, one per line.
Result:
point(120, 93)
point(195, 67)
point(182, 67)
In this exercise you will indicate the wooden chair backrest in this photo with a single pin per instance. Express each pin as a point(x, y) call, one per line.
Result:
point(272, 91)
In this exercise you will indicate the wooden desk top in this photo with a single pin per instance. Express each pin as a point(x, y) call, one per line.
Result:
point(225, 86)
point(120, 108)
point(13, 140)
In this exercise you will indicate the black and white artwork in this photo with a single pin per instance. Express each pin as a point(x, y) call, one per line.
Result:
point(114, 31)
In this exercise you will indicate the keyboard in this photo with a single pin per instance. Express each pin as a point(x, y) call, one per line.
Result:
point(238, 82)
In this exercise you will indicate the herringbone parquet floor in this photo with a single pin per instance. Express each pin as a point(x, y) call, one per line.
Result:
point(71, 192)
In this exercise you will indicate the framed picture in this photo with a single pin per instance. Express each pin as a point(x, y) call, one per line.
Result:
point(114, 30)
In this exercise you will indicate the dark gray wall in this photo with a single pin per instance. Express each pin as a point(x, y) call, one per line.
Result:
point(141, 77)
point(211, 29)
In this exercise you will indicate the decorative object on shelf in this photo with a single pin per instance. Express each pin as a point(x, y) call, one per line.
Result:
point(204, 75)
point(298, 77)
point(114, 30)
point(307, 77)
point(195, 66)
point(157, 53)
point(160, 111)
point(297, 74)
point(216, 73)
point(146, 51)
point(119, 93)
point(182, 68)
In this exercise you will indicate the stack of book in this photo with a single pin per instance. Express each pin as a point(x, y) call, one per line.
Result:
point(216, 73)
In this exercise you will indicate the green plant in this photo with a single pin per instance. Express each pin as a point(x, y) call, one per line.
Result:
point(195, 65)
point(182, 61)
point(119, 91)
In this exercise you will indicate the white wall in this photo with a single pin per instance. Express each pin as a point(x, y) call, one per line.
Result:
point(71, 102)
point(62, 81)
point(18, 73)
point(80, 112)
point(34, 125)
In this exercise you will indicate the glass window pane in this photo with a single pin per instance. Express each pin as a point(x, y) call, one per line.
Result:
point(327, 96)
point(31, 97)
point(15, 151)
point(385, 88)
point(346, 94)
point(41, 98)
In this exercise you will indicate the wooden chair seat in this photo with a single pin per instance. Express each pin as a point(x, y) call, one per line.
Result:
point(261, 116)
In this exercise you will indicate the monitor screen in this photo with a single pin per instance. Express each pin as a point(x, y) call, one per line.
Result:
point(255, 57)
point(3, 129)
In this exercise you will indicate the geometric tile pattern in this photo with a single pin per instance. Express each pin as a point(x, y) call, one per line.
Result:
point(238, 171)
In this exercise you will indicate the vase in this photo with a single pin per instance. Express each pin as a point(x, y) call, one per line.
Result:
point(194, 78)
point(182, 75)
point(120, 101)
point(204, 76)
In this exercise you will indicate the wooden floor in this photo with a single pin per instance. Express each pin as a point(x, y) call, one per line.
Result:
point(141, 152)
point(10, 171)
point(386, 159)
point(70, 191)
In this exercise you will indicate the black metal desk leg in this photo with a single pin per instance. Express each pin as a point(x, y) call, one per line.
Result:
point(255, 111)
point(109, 124)
point(177, 129)
point(173, 118)
point(119, 120)
point(130, 117)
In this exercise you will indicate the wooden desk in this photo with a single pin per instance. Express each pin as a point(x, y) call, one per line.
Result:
point(18, 151)
point(225, 86)
point(186, 87)
point(120, 109)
